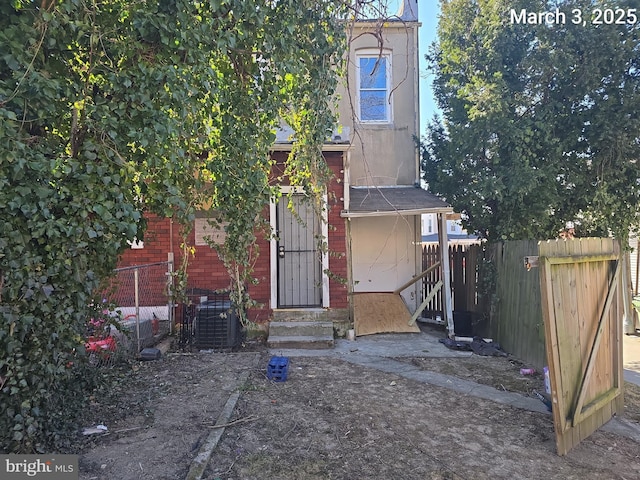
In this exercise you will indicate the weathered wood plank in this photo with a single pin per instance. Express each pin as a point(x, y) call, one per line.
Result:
point(381, 312)
point(471, 264)
point(575, 258)
point(603, 321)
point(553, 356)
point(417, 277)
point(581, 307)
point(425, 302)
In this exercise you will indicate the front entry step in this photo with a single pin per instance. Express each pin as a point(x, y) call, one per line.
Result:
point(306, 335)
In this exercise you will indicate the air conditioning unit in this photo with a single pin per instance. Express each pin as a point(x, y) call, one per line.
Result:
point(341, 134)
point(216, 324)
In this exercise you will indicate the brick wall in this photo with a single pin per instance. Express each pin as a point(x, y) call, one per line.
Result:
point(206, 271)
point(337, 233)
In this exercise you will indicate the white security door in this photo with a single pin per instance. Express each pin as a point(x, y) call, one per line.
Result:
point(299, 260)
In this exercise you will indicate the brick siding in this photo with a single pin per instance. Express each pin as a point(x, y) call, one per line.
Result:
point(207, 272)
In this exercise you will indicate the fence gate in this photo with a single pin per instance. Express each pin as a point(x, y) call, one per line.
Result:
point(581, 289)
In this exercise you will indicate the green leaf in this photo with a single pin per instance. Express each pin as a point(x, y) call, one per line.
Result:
point(113, 120)
point(526, 116)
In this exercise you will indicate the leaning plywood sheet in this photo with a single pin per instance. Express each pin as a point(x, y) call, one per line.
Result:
point(381, 313)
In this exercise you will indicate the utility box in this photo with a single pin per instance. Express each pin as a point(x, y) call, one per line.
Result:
point(216, 324)
point(127, 335)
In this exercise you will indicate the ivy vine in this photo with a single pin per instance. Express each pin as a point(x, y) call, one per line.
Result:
point(110, 108)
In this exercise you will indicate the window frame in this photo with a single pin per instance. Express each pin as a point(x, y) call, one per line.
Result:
point(388, 103)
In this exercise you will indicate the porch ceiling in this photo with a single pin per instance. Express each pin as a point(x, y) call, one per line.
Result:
point(398, 200)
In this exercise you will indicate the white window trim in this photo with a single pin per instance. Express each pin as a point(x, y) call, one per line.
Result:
point(368, 53)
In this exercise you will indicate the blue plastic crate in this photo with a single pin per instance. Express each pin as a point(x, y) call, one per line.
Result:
point(278, 368)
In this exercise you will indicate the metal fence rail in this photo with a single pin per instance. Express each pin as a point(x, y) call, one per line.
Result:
point(139, 303)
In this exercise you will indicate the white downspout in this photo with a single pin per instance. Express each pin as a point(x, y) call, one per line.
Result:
point(446, 274)
point(346, 165)
point(416, 86)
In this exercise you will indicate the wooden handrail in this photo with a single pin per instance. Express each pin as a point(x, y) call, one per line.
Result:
point(415, 279)
point(426, 301)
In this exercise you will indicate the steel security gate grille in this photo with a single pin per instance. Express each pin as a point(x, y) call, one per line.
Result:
point(299, 262)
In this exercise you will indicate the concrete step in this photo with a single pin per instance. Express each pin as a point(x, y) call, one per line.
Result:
point(302, 334)
point(299, 315)
point(308, 328)
point(309, 342)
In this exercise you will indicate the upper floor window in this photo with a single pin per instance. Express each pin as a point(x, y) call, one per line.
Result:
point(374, 86)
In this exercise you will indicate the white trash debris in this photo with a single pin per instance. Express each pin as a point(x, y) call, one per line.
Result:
point(95, 430)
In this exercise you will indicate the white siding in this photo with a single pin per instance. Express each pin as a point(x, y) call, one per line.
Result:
point(383, 254)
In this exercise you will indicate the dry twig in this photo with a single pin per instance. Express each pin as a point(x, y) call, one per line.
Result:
point(250, 418)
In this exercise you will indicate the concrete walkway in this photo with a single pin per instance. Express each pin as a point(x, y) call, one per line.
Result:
point(424, 345)
point(378, 352)
point(631, 357)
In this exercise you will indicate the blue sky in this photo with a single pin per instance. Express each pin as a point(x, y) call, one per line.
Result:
point(428, 15)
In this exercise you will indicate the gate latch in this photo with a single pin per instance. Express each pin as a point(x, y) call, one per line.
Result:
point(531, 262)
point(281, 251)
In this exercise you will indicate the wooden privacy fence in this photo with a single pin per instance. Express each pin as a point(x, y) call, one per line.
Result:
point(463, 261)
point(515, 306)
point(558, 302)
point(492, 281)
point(515, 309)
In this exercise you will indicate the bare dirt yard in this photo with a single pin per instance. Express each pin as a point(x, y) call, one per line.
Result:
point(334, 419)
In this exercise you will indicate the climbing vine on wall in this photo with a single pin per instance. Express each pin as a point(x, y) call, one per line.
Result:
point(110, 108)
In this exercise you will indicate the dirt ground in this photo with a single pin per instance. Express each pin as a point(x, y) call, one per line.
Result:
point(336, 420)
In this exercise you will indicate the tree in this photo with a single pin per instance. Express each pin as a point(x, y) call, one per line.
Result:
point(540, 121)
point(111, 108)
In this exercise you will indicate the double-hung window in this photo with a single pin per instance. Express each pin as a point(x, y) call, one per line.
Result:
point(374, 87)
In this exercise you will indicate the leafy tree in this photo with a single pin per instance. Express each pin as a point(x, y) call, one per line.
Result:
point(114, 107)
point(540, 122)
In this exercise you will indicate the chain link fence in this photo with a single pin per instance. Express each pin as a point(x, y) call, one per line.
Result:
point(136, 313)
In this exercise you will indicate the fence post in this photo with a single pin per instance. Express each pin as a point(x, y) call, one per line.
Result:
point(170, 303)
point(446, 274)
point(137, 300)
point(629, 318)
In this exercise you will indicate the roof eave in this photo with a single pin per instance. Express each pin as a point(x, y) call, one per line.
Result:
point(400, 212)
point(326, 147)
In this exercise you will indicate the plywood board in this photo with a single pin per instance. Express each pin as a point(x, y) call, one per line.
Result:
point(381, 313)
